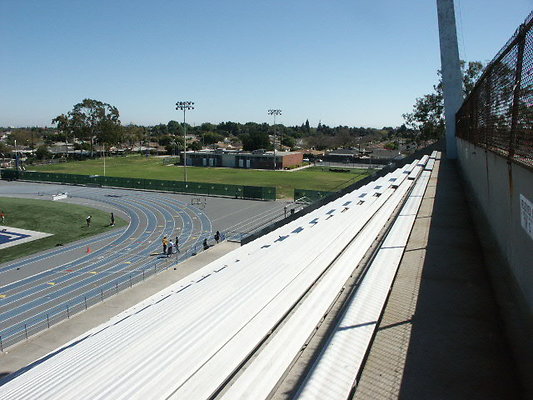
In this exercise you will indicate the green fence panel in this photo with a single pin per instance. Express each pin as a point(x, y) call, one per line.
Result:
point(216, 189)
point(259, 192)
point(175, 186)
point(269, 193)
point(195, 188)
point(9, 174)
point(201, 188)
point(154, 184)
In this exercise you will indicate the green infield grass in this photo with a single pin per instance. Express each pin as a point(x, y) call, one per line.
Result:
point(64, 220)
point(313, 178)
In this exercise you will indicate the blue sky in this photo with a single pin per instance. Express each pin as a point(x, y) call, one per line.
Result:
point(342, 62)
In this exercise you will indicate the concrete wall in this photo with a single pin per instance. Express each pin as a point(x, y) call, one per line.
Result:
point(499, 192)
point(496, 186)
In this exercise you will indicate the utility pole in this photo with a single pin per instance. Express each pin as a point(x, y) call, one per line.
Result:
point(184, 105)
point(274, 112)
point(452, 83)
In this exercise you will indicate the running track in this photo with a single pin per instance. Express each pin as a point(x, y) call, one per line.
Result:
point(43, 283)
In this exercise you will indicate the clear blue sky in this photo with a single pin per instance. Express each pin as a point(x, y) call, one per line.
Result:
point(342, 62)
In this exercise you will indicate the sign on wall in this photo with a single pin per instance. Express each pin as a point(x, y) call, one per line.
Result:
point(526, 215)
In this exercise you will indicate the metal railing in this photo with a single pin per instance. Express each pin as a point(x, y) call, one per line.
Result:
point(35, 324)
point(498, 113)
point(310, 195)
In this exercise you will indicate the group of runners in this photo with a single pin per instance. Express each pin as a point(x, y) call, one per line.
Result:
point(170, 247)
point(111, 219)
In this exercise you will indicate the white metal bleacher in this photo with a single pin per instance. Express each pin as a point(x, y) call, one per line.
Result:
point(259, 378)
point(187, 340)
point(341, 360)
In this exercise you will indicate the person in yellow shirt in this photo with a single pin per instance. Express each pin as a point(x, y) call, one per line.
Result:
point(165, 244)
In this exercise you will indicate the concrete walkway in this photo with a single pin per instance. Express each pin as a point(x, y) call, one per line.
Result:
point(441, 336)
point(24, 353)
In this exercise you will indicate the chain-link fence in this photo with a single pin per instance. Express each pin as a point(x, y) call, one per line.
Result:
point(498, 113)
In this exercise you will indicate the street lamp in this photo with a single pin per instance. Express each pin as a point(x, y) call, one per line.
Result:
point(184, 105)
point(274, 112)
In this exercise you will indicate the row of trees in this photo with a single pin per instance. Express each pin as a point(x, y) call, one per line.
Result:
point(250, 135)
point(92, 121)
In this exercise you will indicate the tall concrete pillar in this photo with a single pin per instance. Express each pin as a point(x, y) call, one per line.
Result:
point(451, 71)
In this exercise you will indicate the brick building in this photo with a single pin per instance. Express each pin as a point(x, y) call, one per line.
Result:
point(258, 159)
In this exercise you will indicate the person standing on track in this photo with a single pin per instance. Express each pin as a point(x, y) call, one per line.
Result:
point(176, 244)
point(170, 248)
point(217, 236)
point(165, 244)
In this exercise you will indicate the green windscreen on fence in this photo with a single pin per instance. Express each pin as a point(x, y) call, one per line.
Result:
point(208, 189)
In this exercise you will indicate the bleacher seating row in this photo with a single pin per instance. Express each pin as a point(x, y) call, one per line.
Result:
point(189, 339)
point(348, 346)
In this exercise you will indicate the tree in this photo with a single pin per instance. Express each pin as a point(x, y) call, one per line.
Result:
point(5, 150)
point(212, 138)
point(427, 117)
point(255, 140)
point(229, 128)
point(471, 73)
point(133, 134)
point(307, 128)
point(288, 141)
point(165, 140)
point(207, 127)
point(110, 133)
point(159, 130)
point(174, 127)
point(23, 137)
point(343, 139)
point(195, 146)
point(92, 120)
point(319, 142)
point(42, 153)
point(64, 126)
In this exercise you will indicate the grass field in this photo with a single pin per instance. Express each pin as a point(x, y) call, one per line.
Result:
point(314, 178)
point(65, 221)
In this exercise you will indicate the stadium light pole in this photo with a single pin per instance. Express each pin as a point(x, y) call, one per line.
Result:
point(274, 112)
point(452, 83)
point(184, 105)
